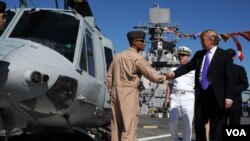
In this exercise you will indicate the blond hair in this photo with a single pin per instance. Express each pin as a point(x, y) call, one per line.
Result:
point(212, 35)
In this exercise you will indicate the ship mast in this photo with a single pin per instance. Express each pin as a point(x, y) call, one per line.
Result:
point(23, 3)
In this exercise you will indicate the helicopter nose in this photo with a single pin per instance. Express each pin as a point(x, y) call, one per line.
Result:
point(3, 75)
point(35, 77)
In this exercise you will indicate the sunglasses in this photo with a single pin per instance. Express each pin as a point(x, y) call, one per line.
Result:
point(142, 41)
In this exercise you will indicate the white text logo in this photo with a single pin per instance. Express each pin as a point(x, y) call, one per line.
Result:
point(236, 132)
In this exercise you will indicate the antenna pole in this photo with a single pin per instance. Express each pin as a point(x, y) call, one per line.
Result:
point(23, 3)
point(65, 4)
point(56, 4)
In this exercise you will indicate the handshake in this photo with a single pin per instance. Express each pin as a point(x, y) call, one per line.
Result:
point(170, 75)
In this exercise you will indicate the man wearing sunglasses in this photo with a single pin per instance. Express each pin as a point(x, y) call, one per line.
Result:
point(2, 15)
point(181, 99)
point(123, 80)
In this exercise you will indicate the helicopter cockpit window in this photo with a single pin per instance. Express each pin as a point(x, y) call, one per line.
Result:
point(90, 54)
point(8, 17)
point(57, 31)
point(108, 56)
point(83, 61)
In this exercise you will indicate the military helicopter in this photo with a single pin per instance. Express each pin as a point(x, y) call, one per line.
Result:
point(53, 65)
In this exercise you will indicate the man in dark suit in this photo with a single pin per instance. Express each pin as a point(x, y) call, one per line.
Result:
point(213, 85)
point(240, 84)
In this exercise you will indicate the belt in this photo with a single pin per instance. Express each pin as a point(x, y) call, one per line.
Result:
point(182, 92)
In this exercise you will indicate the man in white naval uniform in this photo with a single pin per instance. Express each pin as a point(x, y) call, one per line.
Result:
point(181, 99)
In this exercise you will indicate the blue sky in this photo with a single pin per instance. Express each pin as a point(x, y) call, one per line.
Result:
point(116, 17)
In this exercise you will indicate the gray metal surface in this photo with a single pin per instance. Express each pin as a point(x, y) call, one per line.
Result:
point(157, 129)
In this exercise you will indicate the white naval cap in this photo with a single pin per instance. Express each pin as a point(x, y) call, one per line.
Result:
point(184, 50)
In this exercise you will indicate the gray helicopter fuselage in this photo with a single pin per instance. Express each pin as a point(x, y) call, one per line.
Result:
point(53, 65)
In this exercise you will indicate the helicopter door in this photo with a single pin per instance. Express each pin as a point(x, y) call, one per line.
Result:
point(108, 58)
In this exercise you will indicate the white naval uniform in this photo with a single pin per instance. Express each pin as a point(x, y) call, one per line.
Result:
point(182, 105)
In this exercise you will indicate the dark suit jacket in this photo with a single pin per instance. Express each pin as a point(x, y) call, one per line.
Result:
point(240, 83)
point(219, 73)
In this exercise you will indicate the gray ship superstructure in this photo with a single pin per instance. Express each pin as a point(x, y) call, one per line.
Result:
point(161, 56)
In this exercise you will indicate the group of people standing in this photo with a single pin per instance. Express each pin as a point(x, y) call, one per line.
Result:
point(217, 88)
point(205, 88)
